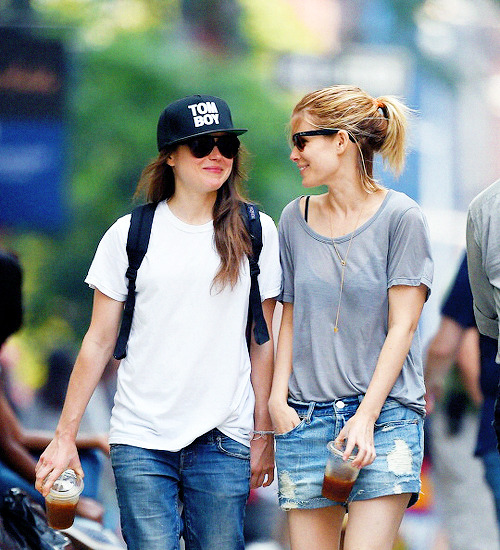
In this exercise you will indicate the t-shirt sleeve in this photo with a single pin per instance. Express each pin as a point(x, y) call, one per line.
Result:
point(458, 302)
point(409, 259)
point(483, 251)
point(286, 258)
point(110, 263)
point(491, 245)
point(269, 260)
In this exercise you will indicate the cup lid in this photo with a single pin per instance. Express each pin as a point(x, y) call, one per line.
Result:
point(67, 485)
point(339, 450)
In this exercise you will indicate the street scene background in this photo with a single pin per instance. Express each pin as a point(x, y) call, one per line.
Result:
point(82, 83)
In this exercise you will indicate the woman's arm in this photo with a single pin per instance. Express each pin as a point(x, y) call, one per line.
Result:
point(441, 354)
point(405, 307)
point(469, 365)
point(95, 352)
point(12, 451)
point(17, 444)
point(37, 440)
point(262, 445)
point(284, 417)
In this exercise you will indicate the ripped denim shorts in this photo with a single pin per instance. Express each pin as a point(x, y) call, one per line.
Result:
point(301, 453)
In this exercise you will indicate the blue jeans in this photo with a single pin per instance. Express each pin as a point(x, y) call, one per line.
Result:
point(491, 461)
point(199, 492)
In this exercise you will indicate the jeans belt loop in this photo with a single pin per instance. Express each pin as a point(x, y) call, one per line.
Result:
point(310, 411)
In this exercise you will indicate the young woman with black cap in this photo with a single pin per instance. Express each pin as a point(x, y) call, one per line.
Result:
point(356, 273)
point(190, 426)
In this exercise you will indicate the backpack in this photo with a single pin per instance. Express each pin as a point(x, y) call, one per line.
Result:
point(137, 245)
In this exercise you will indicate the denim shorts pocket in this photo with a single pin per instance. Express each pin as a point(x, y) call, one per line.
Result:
point(303, 419)
point(402, 423)
point(232, 448)
point(392, 424)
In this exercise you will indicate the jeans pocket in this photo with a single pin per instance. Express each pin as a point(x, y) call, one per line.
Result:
point(409, 430)
point(295, 428)
point(232, 448)
point(392, 424)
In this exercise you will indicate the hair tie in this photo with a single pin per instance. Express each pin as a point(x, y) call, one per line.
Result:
point(382, 107)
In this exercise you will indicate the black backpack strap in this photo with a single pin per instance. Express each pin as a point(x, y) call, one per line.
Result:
point(251, 217)
point(306, 208)
point(137, 245)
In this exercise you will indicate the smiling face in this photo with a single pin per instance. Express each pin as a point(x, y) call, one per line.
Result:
point(318, 162)
point(201, 175)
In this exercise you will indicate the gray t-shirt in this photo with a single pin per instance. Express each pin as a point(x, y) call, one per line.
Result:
point(391, 248)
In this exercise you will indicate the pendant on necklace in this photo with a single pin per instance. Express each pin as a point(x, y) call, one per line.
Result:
point(343, 262)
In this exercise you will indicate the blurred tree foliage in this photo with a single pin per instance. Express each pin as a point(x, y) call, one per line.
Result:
point(128, 59)
point(115, 96)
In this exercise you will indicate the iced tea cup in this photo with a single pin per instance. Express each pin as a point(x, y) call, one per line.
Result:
point(62, 500)
point(340, 474)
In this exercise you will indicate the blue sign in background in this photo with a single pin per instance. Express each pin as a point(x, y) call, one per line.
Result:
point(32, 101)
point(31, 174)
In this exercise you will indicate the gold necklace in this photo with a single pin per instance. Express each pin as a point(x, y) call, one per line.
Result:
point(343, 261)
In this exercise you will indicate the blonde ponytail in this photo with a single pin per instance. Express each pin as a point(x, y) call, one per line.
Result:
point(393, 148)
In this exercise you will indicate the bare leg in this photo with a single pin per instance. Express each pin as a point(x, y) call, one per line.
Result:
point(375, 523)
point(319, 528)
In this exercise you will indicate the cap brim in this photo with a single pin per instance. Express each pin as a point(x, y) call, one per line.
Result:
point(237, 131)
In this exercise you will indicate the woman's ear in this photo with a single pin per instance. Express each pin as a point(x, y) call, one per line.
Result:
point(342, 141)
point(170, 160)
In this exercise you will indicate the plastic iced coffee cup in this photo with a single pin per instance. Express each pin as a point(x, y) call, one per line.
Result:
point(62, 500)
point(340, 474)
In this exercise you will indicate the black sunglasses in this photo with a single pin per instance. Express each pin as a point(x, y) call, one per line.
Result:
point(201, 146)
point(299, 141)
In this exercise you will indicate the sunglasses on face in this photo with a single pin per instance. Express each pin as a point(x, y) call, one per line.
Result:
point(299, 141)
point(202, 146)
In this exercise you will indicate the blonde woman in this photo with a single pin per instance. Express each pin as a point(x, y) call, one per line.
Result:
point(357, 271)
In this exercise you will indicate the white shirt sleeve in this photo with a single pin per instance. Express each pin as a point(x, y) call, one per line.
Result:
point(110, 263)
point(269, 260)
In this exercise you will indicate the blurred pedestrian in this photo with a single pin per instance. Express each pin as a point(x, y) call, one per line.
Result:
point(11, 318)
point(461, 377)
point(11, 299)
point(19, 446)
point(45, 410)
point(190, 421)
point(483, 251)
point(357, 271)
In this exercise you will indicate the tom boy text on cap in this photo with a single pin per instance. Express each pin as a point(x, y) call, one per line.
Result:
point(193, 116)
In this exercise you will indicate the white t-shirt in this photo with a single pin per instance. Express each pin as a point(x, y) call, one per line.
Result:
point(187, 368)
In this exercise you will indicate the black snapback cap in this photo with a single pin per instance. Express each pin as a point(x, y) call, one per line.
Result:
point(192, 116)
